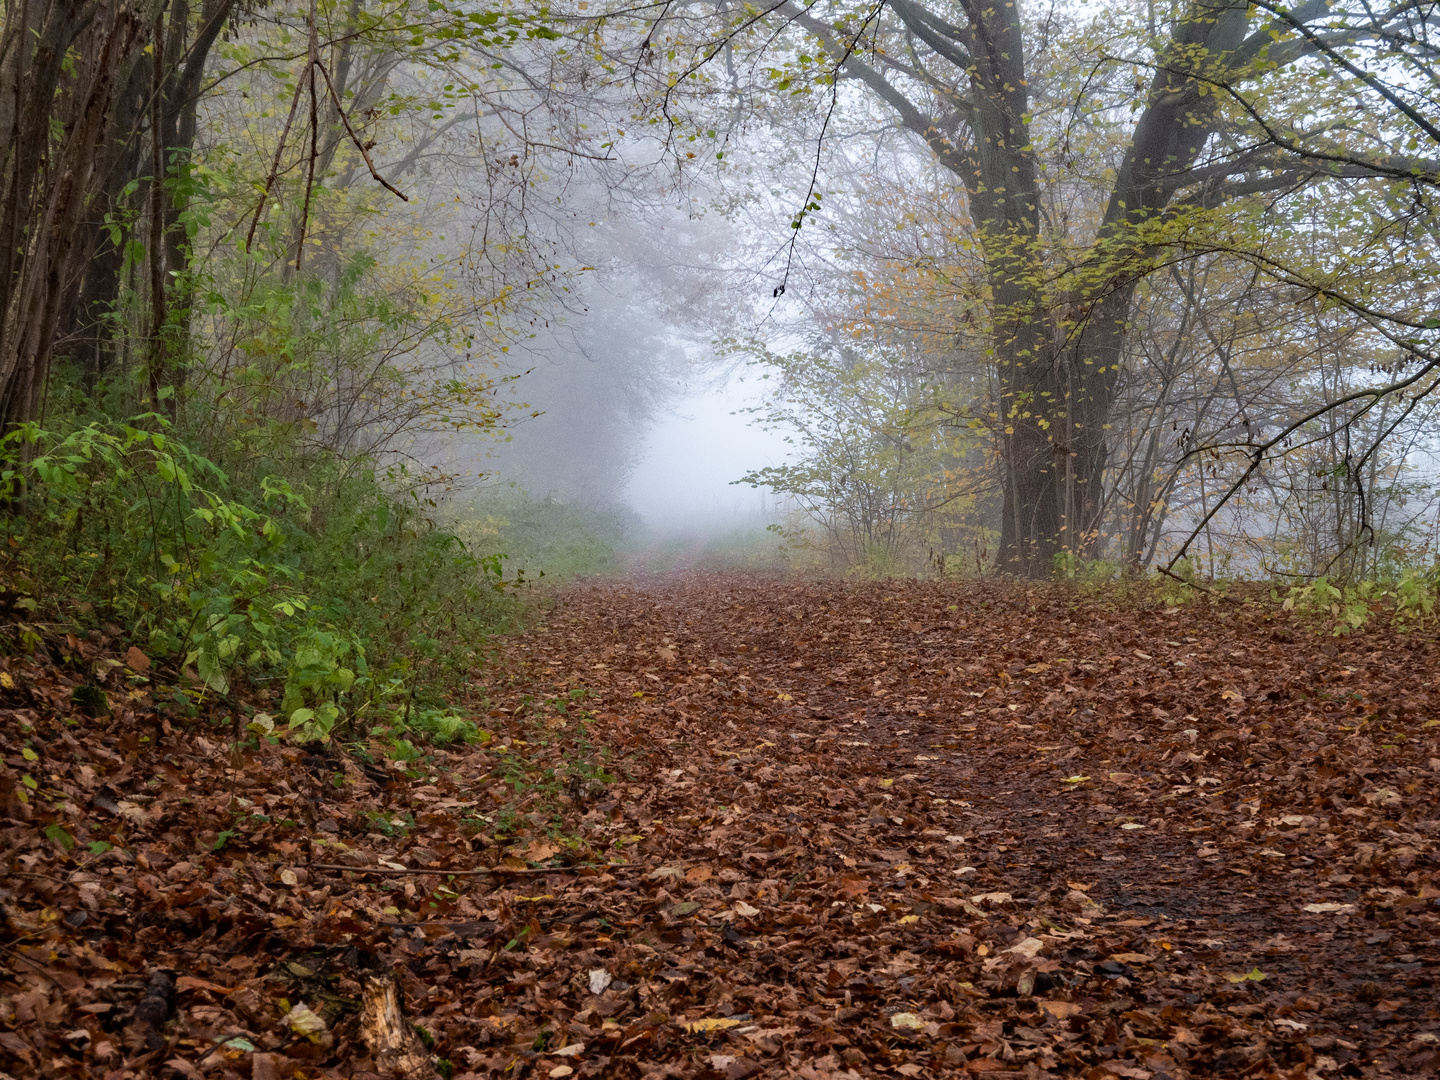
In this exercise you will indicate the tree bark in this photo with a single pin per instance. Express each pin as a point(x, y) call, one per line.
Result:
point(53, 151)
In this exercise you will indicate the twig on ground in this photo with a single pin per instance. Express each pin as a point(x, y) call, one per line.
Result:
point(1198, 588)
point(480, 871)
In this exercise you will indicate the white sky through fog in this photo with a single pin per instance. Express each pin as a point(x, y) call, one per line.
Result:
point(693, 452)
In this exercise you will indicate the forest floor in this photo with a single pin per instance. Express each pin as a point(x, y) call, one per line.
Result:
point(732, 826)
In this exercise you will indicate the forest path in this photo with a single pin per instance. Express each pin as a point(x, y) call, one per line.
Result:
point(727, 826)
point(1195, 840)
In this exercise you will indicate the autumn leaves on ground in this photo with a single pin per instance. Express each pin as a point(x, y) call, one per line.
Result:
point(734, 827)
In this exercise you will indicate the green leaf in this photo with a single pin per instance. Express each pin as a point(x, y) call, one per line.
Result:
point(99, 847)
point(57, 833)
point(222, 839)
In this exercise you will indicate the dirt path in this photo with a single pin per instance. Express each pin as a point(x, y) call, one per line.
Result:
point(732, 827)
point(967, 830)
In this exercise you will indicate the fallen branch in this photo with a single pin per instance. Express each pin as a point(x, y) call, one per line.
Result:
point(390, 871)
point(1198, 588)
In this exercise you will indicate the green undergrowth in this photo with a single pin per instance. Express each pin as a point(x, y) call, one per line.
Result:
point(549, 537)
point(1404, 599)
point(319, 592)
point(547, 764)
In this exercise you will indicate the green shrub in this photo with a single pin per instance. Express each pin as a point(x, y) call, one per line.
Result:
point(344, 593)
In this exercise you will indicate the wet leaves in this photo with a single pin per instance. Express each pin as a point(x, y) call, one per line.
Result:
point(762, 864)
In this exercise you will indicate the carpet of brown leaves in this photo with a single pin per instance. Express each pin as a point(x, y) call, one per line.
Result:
point(903, 829)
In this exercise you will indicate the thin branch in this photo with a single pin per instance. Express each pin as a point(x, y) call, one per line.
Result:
point(387, 871)
point(275, 164)
point(340, 109)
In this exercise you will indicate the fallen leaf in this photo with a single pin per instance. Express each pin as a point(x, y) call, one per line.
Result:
point(540, 850)
point(1328, 907)
point(1253, 975)
point(305, 1023)
point(717, 1023)
point(1061, 1010)
point(907, 1020)
point(1027, 947)
point(992, 898)
point(599, 980)
point(745, 911)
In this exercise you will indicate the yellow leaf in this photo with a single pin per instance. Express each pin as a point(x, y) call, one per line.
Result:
point(886, 783)
point(535, 899)
point(1076, 779)
point(1253, 975)
point(717, 1023)
point(905, 920)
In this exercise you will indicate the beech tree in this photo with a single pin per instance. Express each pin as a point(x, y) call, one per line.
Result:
point(1211, 125)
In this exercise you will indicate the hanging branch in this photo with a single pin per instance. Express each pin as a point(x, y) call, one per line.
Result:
point(275, 164)
point(1257, 456)
point(340, 109)
point(307, 82)
point(314, 138)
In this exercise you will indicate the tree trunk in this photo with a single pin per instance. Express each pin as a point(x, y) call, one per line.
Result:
point(53, 152)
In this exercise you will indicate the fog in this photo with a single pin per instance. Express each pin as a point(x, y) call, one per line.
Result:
point(622, 401)
point(691, 457)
